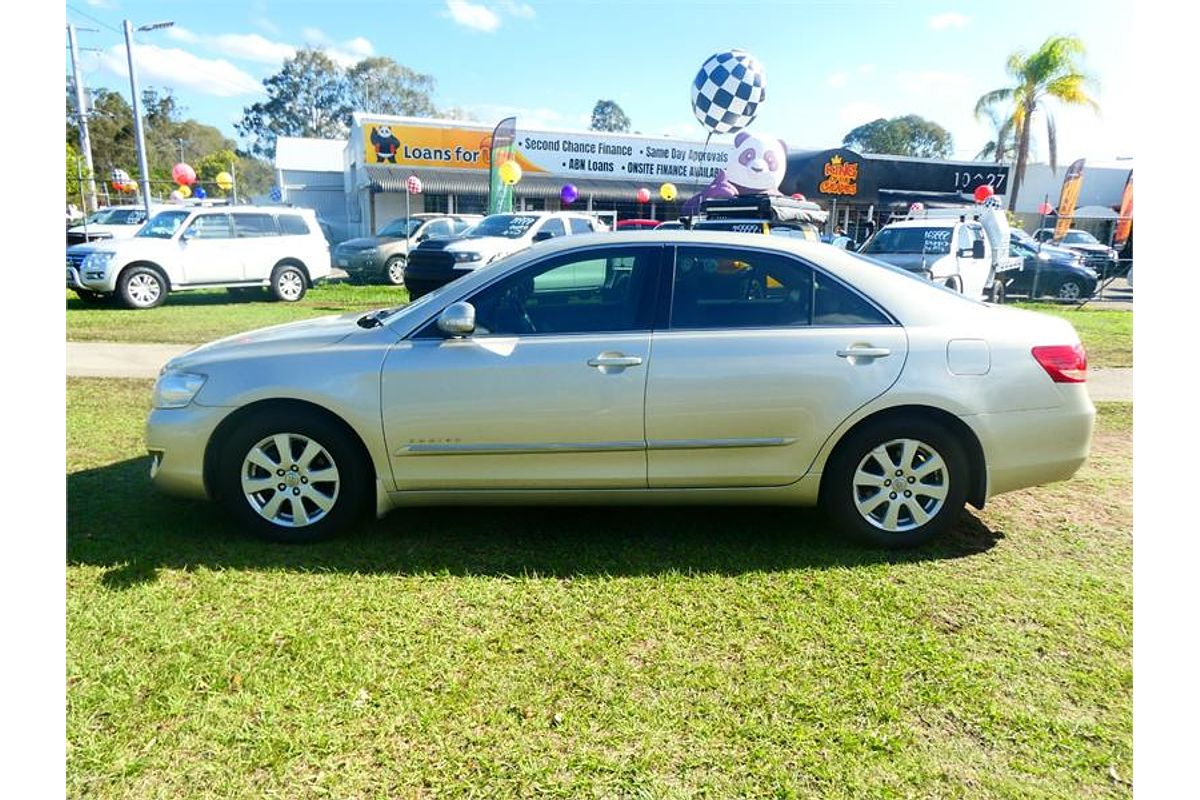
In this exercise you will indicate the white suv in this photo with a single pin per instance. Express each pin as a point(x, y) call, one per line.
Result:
point(203, 248)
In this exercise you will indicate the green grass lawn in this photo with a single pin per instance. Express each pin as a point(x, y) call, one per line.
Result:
point(1107, 334)
point(201, 316)
point(196, 317)
point(602, 652)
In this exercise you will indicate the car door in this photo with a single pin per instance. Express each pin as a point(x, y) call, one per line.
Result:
point(549, 390)
point(257, 243)
point(762, 358)
point(209, 252)
point(974, 272)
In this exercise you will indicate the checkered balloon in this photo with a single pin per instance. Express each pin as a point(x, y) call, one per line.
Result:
point(993, 202)
point(414, 184)
point(728, 90)
point(916, 208)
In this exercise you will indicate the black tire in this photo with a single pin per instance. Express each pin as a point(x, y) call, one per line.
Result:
point(393, 271)
point(844, 494)
point(1069, 290)
point(997, 292)
point(288, 283)
point(954, 284)
point(91, 298)
point(348, 493)
point(142, 287)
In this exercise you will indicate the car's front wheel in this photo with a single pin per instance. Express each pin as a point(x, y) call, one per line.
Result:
point(142, 287)
point(897, 483)
point(393, 271)
point(288, 283)
point(1070, 291)
point(292, 477)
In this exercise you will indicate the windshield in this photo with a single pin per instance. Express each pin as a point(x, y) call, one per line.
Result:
point(909, 275)
point(400, 228)
point(1023, 237)
point(98, 217)
point(1080, 237)
point(164, 225)
point(934, 241)
point(510, 226)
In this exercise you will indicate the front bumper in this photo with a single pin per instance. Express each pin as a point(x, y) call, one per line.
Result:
point(360, 263)
point(177, 439)
point(423, 279)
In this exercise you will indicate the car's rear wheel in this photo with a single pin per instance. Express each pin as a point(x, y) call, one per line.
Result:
point(292, 477)
point(288, 283)
point(393, 271)
point(897, 483)
point(1069, 290)
point(997, 291)
point(142, 287)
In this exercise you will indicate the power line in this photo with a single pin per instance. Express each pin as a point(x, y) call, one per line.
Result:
point(95, 20)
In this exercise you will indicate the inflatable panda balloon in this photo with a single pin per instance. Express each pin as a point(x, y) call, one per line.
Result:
point(757, 167)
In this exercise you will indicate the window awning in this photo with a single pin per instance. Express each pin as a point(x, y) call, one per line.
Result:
point(443, 181)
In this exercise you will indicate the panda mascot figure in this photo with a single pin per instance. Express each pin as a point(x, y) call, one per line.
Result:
point(758, 166)
point(385, 143)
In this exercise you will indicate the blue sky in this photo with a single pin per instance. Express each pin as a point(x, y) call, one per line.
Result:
point(830, 65)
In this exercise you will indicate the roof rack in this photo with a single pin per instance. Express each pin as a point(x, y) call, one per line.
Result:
point(775, 208)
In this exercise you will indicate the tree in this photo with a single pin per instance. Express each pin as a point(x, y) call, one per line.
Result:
point(1051, 73)
point(308, 97)
point(902, 136)
point(76, 169)
point(381, 86)
point(608, 116)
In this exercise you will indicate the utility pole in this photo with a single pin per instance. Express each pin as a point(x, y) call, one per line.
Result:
point(138, 133)
point(182, 142)
point(85, 140)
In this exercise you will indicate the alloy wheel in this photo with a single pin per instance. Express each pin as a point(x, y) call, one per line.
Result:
point(291, 285)
point(900, 485)
point(144, 289)
point(290, 480)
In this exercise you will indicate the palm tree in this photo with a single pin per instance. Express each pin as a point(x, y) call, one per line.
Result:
point(1050, 73)
point(1001, 148)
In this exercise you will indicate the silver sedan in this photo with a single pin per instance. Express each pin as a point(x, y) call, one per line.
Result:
point(651, 367)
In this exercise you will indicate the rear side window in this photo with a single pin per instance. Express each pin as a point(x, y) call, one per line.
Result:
point(835, 304)
point(461, 225)
point(580, 225)
point(253, 226)
point(719, 287)
point(554, 226)
point(293, 225)
point(211, 226)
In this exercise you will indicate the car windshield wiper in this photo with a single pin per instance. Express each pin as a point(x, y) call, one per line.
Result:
point(375, 318)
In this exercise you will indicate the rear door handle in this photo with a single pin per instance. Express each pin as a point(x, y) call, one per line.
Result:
point(864, 352)
point(615, 360)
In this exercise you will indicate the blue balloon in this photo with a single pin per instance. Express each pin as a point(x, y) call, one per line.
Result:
point(276, 195)
point(199, 193)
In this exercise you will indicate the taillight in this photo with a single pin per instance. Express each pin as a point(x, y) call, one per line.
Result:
point(1064, 363)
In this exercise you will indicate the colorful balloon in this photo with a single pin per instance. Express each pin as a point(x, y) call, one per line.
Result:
point(199, 193)
point(176, 196)
point(413, 184)
point(983, 193)
point(569, 193)
point(510, 172)
point(184, 191)
point(225, 181)
point(1045, 208)
point(916, 208)
point(798, 196)
point(668, 192)
point(643, 195)
point(728, 90)
point(183, 174)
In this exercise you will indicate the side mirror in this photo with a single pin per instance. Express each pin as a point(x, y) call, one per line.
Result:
point(977, 249)
point(542, 236)
point(457, 319)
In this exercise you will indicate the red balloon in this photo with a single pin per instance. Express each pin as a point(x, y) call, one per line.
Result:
point(983, 193)
point(798, 196)
point(643, 195)
point(1045, 208)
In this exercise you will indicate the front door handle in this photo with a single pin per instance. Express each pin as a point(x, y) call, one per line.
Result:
point(614, 360)
point(868, 353)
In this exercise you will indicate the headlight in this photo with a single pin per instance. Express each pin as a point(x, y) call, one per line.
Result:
point(460, 256)
point(176, 389)
point(97, 261)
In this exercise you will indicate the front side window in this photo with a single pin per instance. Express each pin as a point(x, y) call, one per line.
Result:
point(164, 225)
point(400, 228)
point(293, 225)
point(554, 226)
point(253, 226)
point(719, 287)
point(604, 290)
point(438, 229)
point(580, 225)
point(211, 226)
point(461, 226)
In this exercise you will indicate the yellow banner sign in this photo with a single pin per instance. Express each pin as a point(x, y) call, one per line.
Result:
point(429, 146)
point(1072, 182)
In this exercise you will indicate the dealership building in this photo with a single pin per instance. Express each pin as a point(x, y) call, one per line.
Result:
point(358, 184)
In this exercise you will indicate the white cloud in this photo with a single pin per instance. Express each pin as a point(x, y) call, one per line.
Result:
point(854, 114)
point(361, 47)
point(258, 15)
point(470, 15)
point(838, 80)
point(866, 69)
point(528, 118)
point(314, 35)
point(948, 20)
point(346, 54)
point(179, 69)
point(182, 34)
point(251, 47)
point(520, 10)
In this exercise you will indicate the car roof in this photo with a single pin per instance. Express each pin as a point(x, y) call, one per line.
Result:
point(932, 222)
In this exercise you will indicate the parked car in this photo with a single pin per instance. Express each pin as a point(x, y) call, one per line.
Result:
point(435, 263)
point(1097, 255)
point(234, 247)
point(670, 225)
point(637, 224)
point(112, 222)
point(946, 250)
point(635, 368)
point(771, 214)
point(1059, 272)
point(380, 258)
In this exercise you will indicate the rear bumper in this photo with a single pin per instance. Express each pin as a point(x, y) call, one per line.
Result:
point(1030, 448)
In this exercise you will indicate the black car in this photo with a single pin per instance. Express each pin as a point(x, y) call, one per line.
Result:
point(1096, 254)
point(1059, 272)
